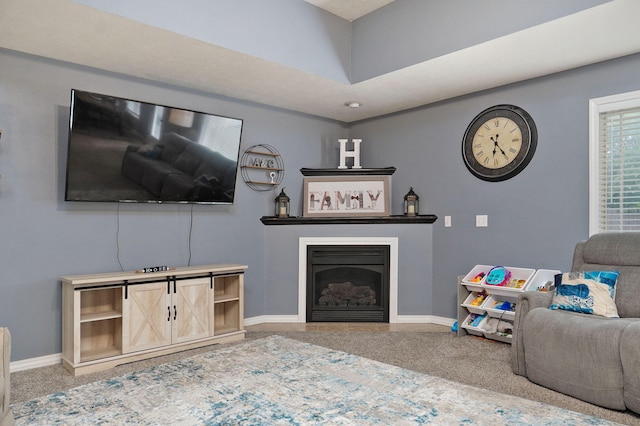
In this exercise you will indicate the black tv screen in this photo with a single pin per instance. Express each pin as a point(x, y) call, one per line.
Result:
point(121, 150)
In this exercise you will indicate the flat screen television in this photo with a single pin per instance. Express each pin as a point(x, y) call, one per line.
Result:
point(121, 150)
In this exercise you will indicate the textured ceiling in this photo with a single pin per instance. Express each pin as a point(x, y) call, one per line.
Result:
point(66, 31)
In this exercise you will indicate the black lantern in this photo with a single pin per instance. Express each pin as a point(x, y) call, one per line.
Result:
point(282, 205)
point(411, 201)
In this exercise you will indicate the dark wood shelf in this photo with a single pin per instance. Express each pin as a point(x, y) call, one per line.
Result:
point(347, 172)
point(293, 220)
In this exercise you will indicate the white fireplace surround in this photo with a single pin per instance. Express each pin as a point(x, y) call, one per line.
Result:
point(304, 242)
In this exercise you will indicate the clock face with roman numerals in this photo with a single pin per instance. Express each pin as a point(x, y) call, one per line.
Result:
point(499, 143)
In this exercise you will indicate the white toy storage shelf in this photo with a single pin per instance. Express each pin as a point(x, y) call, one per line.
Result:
point(479, 302)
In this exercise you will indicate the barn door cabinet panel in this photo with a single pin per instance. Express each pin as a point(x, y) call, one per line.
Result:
point(115, 318)
point(147, 317)
point(191, 314)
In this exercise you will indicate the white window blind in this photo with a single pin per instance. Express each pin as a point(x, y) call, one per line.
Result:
point(617, 165)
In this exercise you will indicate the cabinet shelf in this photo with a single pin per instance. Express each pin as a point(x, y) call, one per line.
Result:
point(226, 288)
point(99, 337)
point(96, 354)
point(99, 316)
point(225, 329)
point(226, 317)
point(100, 302)
point(224, 299)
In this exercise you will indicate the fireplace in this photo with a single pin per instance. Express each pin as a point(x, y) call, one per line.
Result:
point(348, 283)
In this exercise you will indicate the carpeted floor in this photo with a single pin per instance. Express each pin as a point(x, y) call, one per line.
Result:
point(470, 360)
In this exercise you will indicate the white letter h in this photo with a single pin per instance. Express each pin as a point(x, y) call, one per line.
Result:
point(355, 154)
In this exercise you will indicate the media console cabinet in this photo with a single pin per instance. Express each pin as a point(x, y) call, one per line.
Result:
point(115, 318)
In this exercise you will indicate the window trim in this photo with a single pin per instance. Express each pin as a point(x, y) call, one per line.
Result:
point(597, 106)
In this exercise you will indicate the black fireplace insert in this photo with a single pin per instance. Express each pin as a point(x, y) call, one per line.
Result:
point(348, 283)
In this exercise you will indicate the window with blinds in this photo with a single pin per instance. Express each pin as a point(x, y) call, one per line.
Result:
point(615, 170)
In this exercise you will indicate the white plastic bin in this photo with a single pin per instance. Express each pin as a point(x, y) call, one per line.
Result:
point(475, 309)
point(499, 337)
point(478, 269)
point(511, 293)
point(541, 277)
point(489, 306)
point(476, 328)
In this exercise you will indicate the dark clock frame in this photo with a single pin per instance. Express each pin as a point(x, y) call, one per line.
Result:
point(529, 143)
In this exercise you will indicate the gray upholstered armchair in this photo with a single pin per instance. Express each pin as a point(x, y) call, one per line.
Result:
point(593, 358)
point(6, 417)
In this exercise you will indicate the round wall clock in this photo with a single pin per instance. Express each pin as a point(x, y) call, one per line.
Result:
point(499, 143)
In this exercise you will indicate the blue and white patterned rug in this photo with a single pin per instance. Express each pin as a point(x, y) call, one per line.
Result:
point(280, 381)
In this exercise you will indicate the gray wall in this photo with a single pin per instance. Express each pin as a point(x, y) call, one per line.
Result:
point(44, 237)
point(290, 32)
point(535, 218)
point(296, 34)
point(407, 32)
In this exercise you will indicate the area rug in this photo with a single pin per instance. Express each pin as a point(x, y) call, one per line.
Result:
point(281, 381)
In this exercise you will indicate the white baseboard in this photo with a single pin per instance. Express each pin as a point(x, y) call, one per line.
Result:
point(267, 319)
point(47, 360)
point(42, 361)
point(425, 319)
point(402, 319)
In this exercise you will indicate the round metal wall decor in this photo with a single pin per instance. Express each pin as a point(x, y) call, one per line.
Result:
point(262, 167)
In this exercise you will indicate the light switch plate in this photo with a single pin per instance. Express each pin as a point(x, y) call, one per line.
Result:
point(447, 221)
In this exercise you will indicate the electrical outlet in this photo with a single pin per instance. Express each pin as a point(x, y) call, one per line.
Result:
point(447, 221)
point(482, 221)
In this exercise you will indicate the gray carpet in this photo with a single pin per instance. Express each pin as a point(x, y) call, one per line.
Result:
point(471, 360)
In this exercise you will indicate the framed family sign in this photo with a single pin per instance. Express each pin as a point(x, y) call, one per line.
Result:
point(346, 196)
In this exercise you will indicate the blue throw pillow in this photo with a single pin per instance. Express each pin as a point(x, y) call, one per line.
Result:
point(590, 292)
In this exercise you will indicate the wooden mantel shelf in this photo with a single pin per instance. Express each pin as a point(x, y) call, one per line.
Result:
point(347, 172)
point(293, 220)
